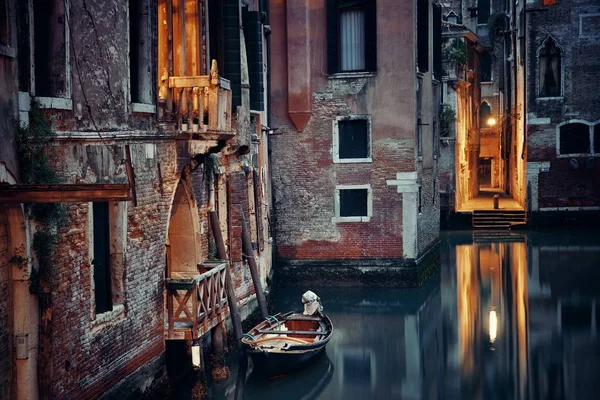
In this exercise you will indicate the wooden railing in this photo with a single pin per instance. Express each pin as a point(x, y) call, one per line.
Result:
point(196, 103)
point(195, 305)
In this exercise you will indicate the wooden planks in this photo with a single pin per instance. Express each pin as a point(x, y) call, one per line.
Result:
point(65, 193)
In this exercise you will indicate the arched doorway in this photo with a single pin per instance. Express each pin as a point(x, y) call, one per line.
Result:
point(183, 240)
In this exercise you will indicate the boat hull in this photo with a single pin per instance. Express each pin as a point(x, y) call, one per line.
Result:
point(271, 364)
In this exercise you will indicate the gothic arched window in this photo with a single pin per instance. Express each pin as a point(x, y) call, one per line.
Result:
point(550, 70)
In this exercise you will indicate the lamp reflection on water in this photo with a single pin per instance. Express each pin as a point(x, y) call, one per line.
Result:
point(493, 320)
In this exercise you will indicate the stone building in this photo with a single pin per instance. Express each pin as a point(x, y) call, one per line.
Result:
point(563, 125)
point(137, 120)
point(354, 164)
point(496, 142)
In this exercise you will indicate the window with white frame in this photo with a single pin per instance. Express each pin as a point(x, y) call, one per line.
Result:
point(575, 138)
point(352, 139)
point(49, 49)
point(353, 203)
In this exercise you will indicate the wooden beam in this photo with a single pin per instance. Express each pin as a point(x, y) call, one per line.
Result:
point(64, 193)
point(189, 81)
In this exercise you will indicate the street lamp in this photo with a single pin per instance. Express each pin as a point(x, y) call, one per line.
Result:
point(492, 121)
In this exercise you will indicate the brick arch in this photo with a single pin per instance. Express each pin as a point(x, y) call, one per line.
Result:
point(183, 235)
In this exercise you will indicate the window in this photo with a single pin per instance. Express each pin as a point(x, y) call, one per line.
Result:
point(107, 243)
point(351, 35)
point(485, 66)
point(419, 138)
point(139, 52)
point(353, 203)
point(423, 35)
point(4, 24)
point(574, 138)
point(484, 114)
point(101, 258)
point(438, 70)
point(352, 139)
point(550, 70)
point(50, 52)
point(597, 139)
point(483, 11)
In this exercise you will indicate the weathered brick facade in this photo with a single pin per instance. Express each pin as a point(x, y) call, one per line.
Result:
point(82, 352)
point(308, 104)
point(559, 182)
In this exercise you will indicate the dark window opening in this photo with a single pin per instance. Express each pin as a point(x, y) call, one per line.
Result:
point(353, 138)
point(484, 114)
point(254, 50)
point(49, 41)
point(597, 139)
point(483, 11)
point(101, 262)
point(353, 202)
point(423, 35)
point(23, 46)
point(4, 24)
point(485, 65)
point(576, 316)
point(420, 205)
point(351, 35)
point(574, 138)
point(134, 50)
point(550, 70)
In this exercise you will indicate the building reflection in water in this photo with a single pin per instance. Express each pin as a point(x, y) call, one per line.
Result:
point(509, 317)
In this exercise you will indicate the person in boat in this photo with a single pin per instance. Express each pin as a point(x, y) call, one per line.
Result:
point(312, 304)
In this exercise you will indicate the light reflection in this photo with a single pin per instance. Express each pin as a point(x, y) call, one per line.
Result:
point(493, 326)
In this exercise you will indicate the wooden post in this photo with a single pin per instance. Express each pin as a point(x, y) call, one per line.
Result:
point(249, 254)
point(231, 298)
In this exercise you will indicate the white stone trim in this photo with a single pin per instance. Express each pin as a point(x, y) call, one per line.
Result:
point(336, 139)
point(591, 125)
point(336, 204)
point(584, 208)
point(538, 121)
point(406, 183)
point(143, 108)
point(352, 75)
point(581, 17)
point(55, 103)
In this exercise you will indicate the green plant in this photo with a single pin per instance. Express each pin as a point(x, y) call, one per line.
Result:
point(495, 26)
point(447, 118)
point(455, 51)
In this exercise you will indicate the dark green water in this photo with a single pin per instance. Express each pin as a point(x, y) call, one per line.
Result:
point(512, 317)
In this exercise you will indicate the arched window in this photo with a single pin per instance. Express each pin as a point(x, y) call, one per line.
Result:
point(550, 70)
point(484, 114)
point(574, 138)
point(485, 66)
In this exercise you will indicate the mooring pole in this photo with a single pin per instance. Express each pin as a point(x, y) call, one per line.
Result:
point(249, 254)
point(231, 297)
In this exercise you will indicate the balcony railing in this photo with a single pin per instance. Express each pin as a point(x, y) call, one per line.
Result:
point(196, 103)
point(455, 70)
point(196, 304)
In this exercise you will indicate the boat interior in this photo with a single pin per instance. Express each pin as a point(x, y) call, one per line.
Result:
point(283, 331)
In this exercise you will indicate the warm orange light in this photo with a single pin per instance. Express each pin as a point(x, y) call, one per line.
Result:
point(491, 121)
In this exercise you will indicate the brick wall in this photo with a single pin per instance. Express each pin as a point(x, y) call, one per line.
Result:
point(5, 307)
point(560, 185)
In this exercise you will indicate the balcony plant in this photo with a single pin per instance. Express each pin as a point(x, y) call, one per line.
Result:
point(455, 51)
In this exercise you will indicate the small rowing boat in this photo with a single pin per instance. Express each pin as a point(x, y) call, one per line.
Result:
point(284, 342)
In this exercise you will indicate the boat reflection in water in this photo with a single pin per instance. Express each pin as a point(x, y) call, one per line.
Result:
point(513, 316)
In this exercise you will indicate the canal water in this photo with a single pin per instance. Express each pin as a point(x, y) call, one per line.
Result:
point(507, 316)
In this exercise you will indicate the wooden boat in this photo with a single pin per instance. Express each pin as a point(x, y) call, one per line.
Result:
point(284, 342)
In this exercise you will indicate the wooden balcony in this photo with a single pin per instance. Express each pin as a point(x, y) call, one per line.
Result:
point(196, 106)
point(196, 304)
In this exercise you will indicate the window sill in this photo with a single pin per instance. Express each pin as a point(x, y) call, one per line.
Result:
point(109, 318)
point(350, 219)
point(143, 108)
point(487, 83)
point(55, 103)
point(352, 75)
point(8, 51)
point(352, 160)
point(549, 98)
point(577, 155)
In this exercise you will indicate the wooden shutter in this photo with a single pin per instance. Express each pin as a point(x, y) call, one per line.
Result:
point(371, 35)
point(231, 55)
point(437, 41)
point(332, 37)
point(254, 54)
point(423, 35)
